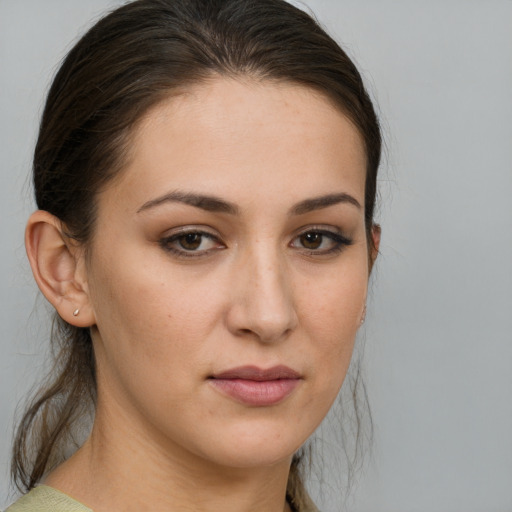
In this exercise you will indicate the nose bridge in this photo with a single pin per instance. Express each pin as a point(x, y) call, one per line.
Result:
point(265, 304)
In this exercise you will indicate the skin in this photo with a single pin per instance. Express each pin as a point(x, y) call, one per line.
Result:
point(255, 291)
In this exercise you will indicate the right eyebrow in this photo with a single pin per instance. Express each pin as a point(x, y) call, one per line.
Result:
point(205, 202)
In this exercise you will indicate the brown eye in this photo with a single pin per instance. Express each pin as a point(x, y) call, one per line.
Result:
point(320, 242)
point(190, 241)
point(311, 240)
point(191, 244)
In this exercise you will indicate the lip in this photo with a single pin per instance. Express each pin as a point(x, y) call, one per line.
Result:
point(255, 386)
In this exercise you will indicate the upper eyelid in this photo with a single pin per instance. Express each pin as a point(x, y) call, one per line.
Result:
point(183, 230)
point(179, 234)
point(334, 235)
point(319, 228)
point(337, 236)
point(210, 232)
point(213, 233)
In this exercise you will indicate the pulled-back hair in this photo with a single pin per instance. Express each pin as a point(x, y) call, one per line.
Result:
point(133, 58)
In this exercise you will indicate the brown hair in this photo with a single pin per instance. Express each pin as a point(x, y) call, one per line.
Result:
point(130, 60)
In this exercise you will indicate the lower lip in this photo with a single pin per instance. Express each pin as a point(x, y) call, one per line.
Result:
point(256, 393)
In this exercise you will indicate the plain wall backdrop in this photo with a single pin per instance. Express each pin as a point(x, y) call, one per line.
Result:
point(438, 333)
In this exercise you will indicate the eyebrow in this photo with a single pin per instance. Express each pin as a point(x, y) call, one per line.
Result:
point(208, 203)
point(317, 203)
point(215, 204)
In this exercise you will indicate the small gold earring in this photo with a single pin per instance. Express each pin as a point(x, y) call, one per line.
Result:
point(76, 312)
point(363, 315)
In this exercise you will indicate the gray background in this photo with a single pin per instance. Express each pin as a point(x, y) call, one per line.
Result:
point(439, 342)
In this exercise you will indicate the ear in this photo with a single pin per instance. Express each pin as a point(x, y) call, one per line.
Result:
point(375, 244)
point(59, 268)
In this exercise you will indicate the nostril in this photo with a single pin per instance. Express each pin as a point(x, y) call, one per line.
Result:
point(247, 333)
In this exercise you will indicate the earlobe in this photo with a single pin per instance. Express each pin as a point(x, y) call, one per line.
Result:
point(58, 268)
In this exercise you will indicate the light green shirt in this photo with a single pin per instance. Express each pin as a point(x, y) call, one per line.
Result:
point(46, 499)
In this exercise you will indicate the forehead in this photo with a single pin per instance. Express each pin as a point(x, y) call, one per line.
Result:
point(262, 135)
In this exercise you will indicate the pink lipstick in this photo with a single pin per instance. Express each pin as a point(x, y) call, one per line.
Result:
point(256, 387)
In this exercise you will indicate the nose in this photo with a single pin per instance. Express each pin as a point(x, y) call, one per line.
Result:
point(262, 304)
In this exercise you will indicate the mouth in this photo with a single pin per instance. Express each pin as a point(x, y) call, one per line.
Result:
point(255, 386)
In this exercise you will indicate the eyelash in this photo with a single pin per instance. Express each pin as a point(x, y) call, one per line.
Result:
point(169, 243)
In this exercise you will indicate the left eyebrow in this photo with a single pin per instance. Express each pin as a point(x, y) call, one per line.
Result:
point(317, 203)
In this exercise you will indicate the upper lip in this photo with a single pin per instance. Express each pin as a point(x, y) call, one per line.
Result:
point(258, 374)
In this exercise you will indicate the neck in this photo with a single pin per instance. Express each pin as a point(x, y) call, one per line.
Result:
point(121, 468)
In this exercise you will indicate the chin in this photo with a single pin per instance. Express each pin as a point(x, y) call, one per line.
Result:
point(259, 444)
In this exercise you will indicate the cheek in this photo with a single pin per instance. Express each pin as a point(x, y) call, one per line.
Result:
point(149, 337)
point(332, 306)
point(330, 316)
point(150, 319)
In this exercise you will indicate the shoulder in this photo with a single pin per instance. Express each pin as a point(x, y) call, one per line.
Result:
point(47, 499)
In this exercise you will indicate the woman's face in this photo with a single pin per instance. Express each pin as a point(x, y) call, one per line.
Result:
point(228, 272)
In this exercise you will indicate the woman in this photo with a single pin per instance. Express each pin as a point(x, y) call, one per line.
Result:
point(205, 175)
